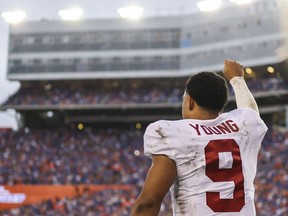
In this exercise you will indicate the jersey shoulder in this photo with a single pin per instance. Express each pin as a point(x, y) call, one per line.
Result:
point(245, 111)
point(157, 138)
point(160, 125)
point(249, 117)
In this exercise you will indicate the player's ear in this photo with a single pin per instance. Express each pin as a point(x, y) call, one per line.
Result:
point(191, 103)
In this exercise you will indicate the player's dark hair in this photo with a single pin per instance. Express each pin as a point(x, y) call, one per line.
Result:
point(209, 90)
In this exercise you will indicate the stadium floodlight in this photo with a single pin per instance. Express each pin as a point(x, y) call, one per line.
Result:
point(241, 1)
point(13, 17)
point(131, 12)
point(248, 70)
point(209, 5)
point(71, 14)
point(80, 126)
point(50, 114)
point(270, 69)
point(136, 152)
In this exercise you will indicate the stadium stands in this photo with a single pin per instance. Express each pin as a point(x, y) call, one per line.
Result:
point(71, 157)
point(110, 156)
point(121, 93)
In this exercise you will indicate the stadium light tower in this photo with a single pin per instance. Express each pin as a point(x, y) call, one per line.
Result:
point(131, 12)
point(241, 1)
point(13, 17)
point(209, 5)
point(71, 14)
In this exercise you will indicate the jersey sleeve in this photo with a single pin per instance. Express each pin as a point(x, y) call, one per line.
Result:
point(156, 141)
point(256, 124)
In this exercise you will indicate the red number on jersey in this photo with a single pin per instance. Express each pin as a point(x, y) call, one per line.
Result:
point(234, 174)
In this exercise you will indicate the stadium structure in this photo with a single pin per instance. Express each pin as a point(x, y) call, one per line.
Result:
point(112, 77)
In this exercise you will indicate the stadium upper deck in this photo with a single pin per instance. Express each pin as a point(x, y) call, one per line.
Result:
point(153, 47)
point(45, 53)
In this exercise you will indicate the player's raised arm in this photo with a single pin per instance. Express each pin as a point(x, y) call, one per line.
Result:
point(234, 73)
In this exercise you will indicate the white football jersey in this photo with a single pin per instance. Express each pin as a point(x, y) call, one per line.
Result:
point(216, 161)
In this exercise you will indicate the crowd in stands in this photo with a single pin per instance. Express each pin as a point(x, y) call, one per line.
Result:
point(132, 92)
point(71, 157)
point(272, 175)
point(110, 202)
point(114, 156)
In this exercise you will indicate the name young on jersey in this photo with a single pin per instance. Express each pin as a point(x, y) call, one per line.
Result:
point(225, 127)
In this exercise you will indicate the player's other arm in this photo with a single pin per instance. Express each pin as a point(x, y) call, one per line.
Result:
point(159, 179)
point(234, 73)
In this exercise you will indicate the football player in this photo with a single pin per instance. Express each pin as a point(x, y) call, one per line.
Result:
point(208, 159)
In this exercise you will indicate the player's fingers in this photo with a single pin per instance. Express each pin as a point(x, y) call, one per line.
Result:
point(227, 61)
point(240, 65)
point(231, 63)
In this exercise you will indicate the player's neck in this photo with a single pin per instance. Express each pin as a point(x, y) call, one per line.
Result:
point(202, 114)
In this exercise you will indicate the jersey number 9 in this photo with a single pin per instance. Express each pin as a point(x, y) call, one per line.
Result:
point(235, 174)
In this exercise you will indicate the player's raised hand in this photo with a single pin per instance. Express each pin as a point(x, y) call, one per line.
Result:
point(232, 69)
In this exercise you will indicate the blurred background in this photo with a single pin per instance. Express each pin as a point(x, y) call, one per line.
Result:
point(81, 80)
